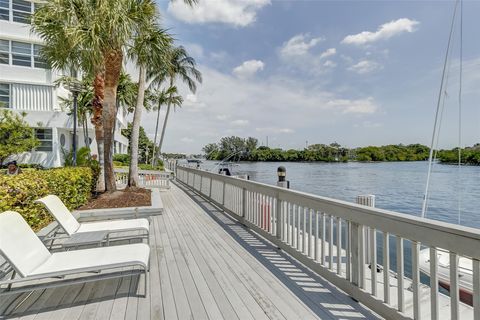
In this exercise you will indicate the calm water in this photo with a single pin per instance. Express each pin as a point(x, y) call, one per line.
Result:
point(398, 186)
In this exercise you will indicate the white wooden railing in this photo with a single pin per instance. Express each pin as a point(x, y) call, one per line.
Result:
point(147, 178)
point(328, 236)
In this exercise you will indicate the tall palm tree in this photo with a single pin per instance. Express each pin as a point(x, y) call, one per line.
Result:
point(126, 93)
point(60, 25)
point(149, 48)
point(159, 98)
point(93, 35)
point(183, 67)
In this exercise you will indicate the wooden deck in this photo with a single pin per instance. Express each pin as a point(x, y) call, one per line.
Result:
point(204, 265)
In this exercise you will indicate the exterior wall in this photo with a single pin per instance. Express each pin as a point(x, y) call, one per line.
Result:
point(32, 90)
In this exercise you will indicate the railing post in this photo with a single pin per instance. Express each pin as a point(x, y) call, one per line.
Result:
point(244, 202)
point(476, 289)
point(369, 201)
point(223, 194)
point(210, 188)
point(355, 251)
point(278, 214)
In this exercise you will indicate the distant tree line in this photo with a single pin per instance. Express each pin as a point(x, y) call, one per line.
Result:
point(469, 155)
point(239, 149)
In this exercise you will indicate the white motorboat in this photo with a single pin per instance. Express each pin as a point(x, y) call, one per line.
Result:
point(465, 274)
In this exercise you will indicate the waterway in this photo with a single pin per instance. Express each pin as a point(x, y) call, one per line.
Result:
point(399, 186)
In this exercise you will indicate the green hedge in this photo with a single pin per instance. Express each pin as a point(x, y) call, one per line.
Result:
point(18, 193)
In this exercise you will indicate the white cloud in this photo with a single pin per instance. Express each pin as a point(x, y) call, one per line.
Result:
point(222, 117)
point(240, 123)
point(186, 140)
point(274, 130)
point(359, 106)
point(328, 53)
point(279, 105)
point(239, 13)
point(329, 64)
point(299, 53)
point(192, 103)
point(248, 68)
point(299, 45)
point(365, 66)
point(385, 31)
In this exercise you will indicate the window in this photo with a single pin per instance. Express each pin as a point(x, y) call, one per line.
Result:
point(38, 60)
point(4, 95)
point(21, 54)
point(4, 12)
point(21, 10)
point(45, 138)
point(4, 52)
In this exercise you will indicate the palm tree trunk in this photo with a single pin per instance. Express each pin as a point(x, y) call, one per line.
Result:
point(87, 137)
point(99, 93)
point(159, 150)
point(134, 136)
point(154, 156)
point(113, 66)
point(169, 104)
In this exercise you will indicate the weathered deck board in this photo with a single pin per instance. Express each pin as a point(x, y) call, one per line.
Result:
point(204, 265)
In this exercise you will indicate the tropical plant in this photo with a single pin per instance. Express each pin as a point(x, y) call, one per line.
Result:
point(16, 136)
point(83, 157)
point(145, 145)
point(158, 98)
point(183, 67)
point(93, 35)
point(84, 101)
point(149, 49)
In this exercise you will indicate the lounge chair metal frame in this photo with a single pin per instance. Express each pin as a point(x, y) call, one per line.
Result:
point(69, 224)
point(30, 257)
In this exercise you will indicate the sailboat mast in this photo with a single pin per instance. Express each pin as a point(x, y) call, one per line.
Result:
point(437, 112)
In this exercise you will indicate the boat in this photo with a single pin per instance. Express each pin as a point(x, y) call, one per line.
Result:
point(465, 273)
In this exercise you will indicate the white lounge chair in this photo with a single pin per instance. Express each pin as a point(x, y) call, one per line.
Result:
point(71, 226)
point(31, 260)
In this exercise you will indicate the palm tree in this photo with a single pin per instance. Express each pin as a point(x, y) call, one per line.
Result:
point(84, 101)
point(93, 35)
point(159, 98)
point(149, 49)
point(181, 66)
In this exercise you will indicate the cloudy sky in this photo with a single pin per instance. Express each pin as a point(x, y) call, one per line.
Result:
point(355, 72)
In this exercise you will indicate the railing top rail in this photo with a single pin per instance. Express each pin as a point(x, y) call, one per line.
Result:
point(156, 172)
point(456, 238)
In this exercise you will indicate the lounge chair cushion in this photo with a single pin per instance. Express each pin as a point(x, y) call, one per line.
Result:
point(94, 259)
point(61, 213)
point(115, 225)
point(20, 245)
point(68, 222)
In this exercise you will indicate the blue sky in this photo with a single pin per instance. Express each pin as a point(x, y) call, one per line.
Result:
point(355, 72)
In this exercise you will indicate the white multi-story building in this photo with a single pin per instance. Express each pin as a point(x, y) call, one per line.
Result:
point(27, 85)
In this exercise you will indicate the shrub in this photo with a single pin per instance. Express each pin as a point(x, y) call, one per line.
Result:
point(83, 157)
point(123, 158)
point(144, 166)
point(18, 193)
point(118, 164)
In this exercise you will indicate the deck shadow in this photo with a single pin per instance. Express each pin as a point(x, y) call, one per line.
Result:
point(29, 303)
point(323, 298)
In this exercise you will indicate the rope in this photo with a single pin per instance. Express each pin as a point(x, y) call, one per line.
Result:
point(437, 112)
point(460, 116)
